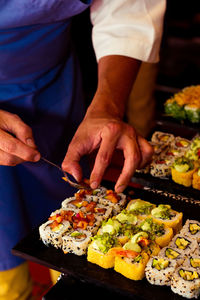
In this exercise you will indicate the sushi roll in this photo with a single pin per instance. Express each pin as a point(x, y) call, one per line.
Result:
point(74, 203)
point(114, 200)
point(159, 270)
point(161, 167)
point(131, 266)
point(174, 109)
point(181, 143)
point(100, 250)
point(140, 207)
point(191, 229)
point(182, 171)
point(193, 261)
point(76, 241)
point(186, 282)
point(192, 112)
point(194, 151)
point(164, 214)
point(172, 253)
point(51, 232)
point(184, 244)
point(160, 137)
point(159, 233)
point(171, 153)
point(196, 179)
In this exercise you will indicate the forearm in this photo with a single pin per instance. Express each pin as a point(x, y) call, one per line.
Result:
point(116, 75)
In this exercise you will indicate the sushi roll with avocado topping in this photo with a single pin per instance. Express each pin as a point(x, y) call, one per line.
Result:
point(76, 241)
point(130, 260)
point(182, 171)
point(196, 179)
point(191, 229)
point(140, 207)
point(161, 138)
point(186, 282)
point(184, 244)
point(100, 250)
point(173, 109)
point(131, 265)
point(192, 112)
point(159, 270)
point(171, 154)
point(193, 153)
point(164, 214)
point(159, 233)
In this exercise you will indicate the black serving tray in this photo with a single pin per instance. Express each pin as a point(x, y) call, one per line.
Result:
point(32, 248)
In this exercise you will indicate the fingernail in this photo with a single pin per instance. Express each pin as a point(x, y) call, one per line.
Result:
point(30, 142)
point(94, 185)
point(36, 157)
point(120, 188)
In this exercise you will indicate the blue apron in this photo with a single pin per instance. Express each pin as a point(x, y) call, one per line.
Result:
point(39, 81)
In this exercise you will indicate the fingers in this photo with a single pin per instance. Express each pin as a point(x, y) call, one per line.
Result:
point(109, 136)
point(13, 124)
point(146, 151)
point(9, 160)
point(71, 162)
point(132, 158)
point(13, 146)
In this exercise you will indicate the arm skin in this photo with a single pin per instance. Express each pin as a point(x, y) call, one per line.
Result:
point(103, 128)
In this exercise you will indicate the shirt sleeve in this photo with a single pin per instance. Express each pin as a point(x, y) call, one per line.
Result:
point(128, 27)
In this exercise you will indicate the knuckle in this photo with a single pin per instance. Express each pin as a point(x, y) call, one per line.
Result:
point(113, 127)
point(10, 147)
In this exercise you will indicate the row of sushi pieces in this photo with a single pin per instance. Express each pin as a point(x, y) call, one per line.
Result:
point(71, 227)
point(185, 105)
point(127, 240)
point(176, 157)
point(178, 264)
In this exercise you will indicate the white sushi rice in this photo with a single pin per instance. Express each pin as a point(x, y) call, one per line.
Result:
point(186, 288)
point(160, 277)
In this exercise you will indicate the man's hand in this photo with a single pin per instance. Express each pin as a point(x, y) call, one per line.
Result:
point(106, 135)
point(103, 128)
point(16, 141)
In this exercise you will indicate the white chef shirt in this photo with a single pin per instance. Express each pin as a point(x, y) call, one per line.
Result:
point(128, 27)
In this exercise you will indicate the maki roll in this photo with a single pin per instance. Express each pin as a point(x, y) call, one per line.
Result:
point(171, 154)
point(174, 109)
point(192, 112)
point(131, 264)
point(183, 244)
point(181, 143)
point(193, 261)
point(161, 167)
point(159, 233)
point(100, 250)
point(191, 229)
point(51, 232)
point(140, 208)
point(114, 200)
point(172, 253)
point(163, 214)
point(159, 137)
point(196, 179)
point(159, 270)
point(76, 241)
point(194, 151)
point(182, 171)
point(186, 282)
